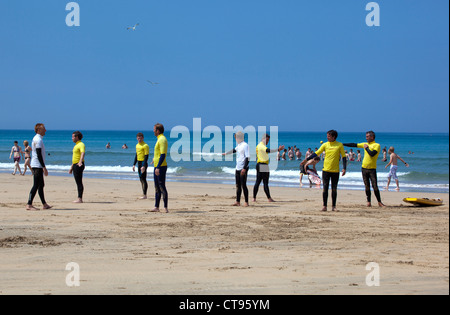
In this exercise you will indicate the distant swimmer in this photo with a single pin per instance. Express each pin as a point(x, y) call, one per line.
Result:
point(369, 165)
point(394, 165)
point(133, 28)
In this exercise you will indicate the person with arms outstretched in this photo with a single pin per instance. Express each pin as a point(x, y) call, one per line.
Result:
point(334, 150)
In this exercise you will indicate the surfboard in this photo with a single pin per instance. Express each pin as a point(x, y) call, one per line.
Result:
point(424, 201)
point(314, 179)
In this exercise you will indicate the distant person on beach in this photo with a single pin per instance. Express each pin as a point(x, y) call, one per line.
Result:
point(369, 165)
point(16, 153)
point(334, 151)
point(78, 166)
point(141, 158)
point(27, 157)
point(283, 156)
point(308, 153)
point(108, 145)
point(160, 168)
point(38, 167)
point(262, 167)
point(394, 165)
point(298, 154)
point(306, 170)
point(242, 162)
point(125, 146)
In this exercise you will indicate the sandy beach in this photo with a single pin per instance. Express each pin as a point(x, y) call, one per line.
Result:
point(206, 246)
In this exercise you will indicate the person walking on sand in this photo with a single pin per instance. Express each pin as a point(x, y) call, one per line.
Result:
point(394, 165)
point(16, 153)
point(38, 168)
point(77, 167)
point(262, 167)
point(306, 170)
point(242, 162)
point(369, 165)
point(160, 169)
point(27, 157)
point(141, 158)
point(334, 150)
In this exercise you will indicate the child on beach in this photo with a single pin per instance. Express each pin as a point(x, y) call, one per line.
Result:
point(393, 170)
point(305, 170)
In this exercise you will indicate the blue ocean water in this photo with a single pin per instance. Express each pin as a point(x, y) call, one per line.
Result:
point(427, 154)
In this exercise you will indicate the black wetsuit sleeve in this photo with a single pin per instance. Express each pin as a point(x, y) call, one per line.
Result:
point(371, 153)
point(352, 145)
point(145, 164)
point(344, 162)
point(40, 157)
point(161, 160)
point(246, 162)
point(135, 160)
point(312, 156)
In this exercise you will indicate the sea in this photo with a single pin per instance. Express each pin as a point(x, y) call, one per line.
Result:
point(426, 153)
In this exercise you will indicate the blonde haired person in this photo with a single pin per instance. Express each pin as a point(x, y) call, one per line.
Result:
point(394, 165)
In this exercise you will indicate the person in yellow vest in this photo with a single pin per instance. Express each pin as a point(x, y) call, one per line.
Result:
point(141, 158)
point(369, 165)
point(334, 150)
point(160, 168)
point(262, 167)
point(77, 168)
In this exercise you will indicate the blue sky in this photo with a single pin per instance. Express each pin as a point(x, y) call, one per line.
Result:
point(298, 65)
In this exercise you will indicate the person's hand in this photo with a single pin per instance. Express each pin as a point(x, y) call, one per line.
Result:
point(407, 165)
point(134, 168)
point(343, 172)
point(143, 169)
point(386, 166)
point(45, 172)
point(70, 171)
point(80, 164)
point(157, 171)
point(243, 172)
point(303, 162)
point(281, 148)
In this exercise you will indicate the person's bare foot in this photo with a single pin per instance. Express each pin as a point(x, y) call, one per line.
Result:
point(271, 200)
point(154, 210)
point(47, 207)
point(246, 204)
point(143, 197)
point(236, 204)
point(31, 208)
point(254, 199)
point(79, 200)
point(324, 209)
point(369, 204)
point(166, 210)
point(380, 204)
point(334, 209)
point(397, 189)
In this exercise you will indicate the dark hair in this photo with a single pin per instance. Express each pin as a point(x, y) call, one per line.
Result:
point(140, 134)
point(371, 133)
point(333, 133)
point(78, 134)
point(16, 142)
point(160, 128)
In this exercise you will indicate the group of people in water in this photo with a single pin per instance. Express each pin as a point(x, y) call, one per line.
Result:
point(332, 149)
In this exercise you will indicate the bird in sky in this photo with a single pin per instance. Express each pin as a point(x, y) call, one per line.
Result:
point(133, 27)
point(152, 83)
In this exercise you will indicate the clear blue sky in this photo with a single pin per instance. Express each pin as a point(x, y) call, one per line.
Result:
point(300, 65)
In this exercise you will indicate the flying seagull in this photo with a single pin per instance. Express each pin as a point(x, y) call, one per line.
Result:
point(133, 27)
point(152, 83)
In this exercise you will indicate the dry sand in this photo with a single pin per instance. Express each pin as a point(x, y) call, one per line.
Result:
point(206, 246)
